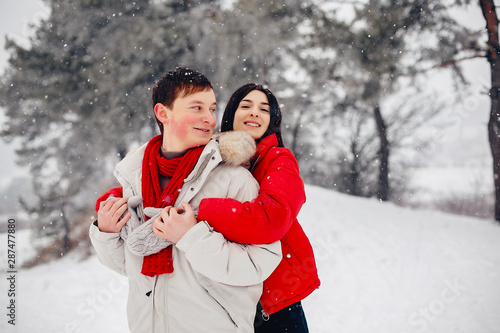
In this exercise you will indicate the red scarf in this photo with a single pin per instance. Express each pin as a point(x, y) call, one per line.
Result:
point(178, 169)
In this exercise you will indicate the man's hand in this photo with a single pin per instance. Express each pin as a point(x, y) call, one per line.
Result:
point(173, 223)
point(109, 217)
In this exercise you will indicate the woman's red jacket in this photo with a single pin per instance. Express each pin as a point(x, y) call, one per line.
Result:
point(270, 217)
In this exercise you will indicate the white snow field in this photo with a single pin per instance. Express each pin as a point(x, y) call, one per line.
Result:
point(383, 269)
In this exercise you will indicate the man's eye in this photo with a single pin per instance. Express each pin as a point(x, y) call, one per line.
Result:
point(197, 107)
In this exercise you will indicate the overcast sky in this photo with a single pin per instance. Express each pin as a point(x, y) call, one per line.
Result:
point(15, 19)
point(465, 141)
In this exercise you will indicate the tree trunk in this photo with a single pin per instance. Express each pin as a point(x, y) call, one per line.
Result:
point(294, 147)
point(493, 131)
point(493, 56)
point(354, 171)
point(383, 156)
point(65, 244)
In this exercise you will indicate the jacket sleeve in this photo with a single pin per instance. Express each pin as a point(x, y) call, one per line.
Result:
point(109, 247)
point(220, 260)
point(116, 192)
point(267, 218)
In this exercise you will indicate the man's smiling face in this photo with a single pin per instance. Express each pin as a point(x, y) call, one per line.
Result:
point(190, 121)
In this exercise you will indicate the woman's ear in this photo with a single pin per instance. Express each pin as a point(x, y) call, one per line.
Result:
point(161, 113)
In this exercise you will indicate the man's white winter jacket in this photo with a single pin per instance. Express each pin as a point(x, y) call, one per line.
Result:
point(216, 284)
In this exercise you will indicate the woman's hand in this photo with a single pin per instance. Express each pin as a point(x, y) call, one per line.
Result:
point(109, 217)
point(173, 223)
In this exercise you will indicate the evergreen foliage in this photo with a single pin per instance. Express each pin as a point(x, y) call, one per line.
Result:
point(386, 48)
point(78, 98)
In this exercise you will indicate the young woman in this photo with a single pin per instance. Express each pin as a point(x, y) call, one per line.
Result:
point(272, 215)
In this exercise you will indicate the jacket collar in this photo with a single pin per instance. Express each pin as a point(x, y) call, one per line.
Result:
point(263, 147)
point(128, 171)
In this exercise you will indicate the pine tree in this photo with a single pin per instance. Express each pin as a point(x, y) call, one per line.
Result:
point(79, 97)
point(380, 51)
point(252, 41)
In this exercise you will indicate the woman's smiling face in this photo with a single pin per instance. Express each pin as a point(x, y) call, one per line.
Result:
point(253, 114)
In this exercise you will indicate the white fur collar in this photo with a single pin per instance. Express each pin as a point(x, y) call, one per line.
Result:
point(236, 147)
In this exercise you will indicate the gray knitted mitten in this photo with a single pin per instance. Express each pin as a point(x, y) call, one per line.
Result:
point(139, 235)
point(134, 222)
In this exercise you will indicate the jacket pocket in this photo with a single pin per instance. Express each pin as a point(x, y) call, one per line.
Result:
point(220, 299)
point(224, 308)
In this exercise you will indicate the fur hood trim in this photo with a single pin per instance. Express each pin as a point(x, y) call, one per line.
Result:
point(236, 147)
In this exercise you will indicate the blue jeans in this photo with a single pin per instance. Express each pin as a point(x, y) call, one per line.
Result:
point(290, 320)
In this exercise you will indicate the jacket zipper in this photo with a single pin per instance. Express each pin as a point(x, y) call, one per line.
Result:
point(254, 164)
point(265, 315)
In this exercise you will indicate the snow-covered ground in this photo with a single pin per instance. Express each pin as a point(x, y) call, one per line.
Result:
point(383, 269)
point(435, 182)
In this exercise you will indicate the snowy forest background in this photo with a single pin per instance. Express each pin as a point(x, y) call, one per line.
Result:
point(385, 105)
point(369, 92)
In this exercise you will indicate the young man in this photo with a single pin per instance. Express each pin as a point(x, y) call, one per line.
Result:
point(201, 283)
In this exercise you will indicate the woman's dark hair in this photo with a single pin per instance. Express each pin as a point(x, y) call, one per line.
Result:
point(274, 108)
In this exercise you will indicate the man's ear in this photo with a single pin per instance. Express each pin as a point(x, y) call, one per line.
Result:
point(161, 113)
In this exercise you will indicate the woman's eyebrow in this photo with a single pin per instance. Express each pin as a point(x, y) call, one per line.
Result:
point(250, 101)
